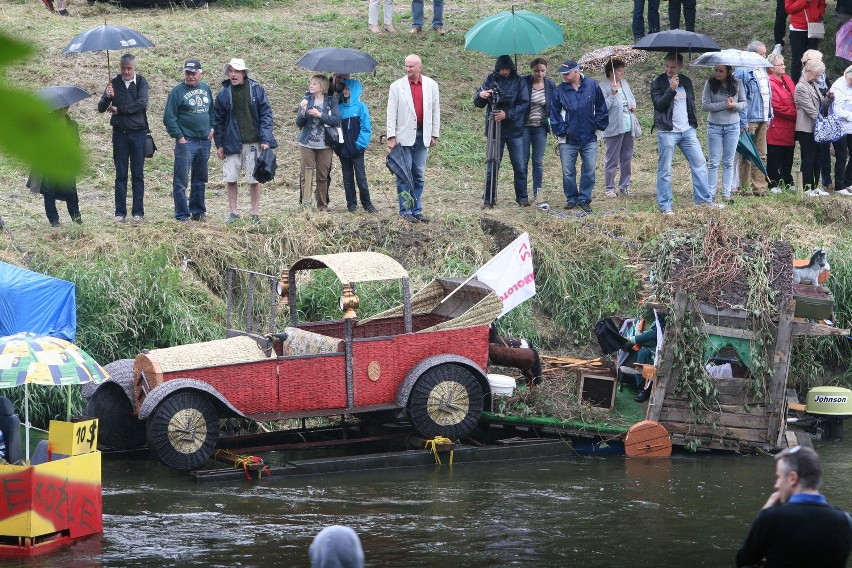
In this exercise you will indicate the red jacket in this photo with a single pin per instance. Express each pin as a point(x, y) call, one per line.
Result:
point(782, 127)
point(796, 10)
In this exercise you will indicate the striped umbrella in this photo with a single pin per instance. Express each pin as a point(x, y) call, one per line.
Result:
point(27, 358)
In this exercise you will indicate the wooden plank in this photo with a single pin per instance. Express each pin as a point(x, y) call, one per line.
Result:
point(750, 409)
point(721, 312)
point(740, 420)
point(780, 368)
point(726, 331)
point(715, 443)
point(741, 434)
point(817, 329)
point(722, 399)
point(658, 393)
point(796, 406)
point(790, 436)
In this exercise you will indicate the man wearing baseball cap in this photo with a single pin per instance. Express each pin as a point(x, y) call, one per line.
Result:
point(242, 128)
point(577, 112)
point(188, 120)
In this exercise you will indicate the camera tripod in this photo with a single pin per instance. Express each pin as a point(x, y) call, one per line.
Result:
point(492, 155)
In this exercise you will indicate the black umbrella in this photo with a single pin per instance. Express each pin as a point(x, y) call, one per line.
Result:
point(337, 60)
point(104, 38)
point(62, 96)
point(677, 40)
point(396, 164)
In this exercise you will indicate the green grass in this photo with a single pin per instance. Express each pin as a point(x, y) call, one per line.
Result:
point(163, 283)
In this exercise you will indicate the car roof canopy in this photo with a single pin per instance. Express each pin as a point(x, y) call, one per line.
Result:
point(354, 266)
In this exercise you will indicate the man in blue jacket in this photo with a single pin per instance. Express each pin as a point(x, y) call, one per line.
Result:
point(509, 100)
point(578, 111)
point(243, 127)
point(188, 120)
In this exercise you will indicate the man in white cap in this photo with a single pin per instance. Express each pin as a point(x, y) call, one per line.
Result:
point(243, 127)
point(188, 120)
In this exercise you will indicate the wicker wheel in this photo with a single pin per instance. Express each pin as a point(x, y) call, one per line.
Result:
point(118, 426)
point(446, 401)
point(183, 429)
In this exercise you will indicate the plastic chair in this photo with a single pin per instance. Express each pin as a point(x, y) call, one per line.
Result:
point(10, 425)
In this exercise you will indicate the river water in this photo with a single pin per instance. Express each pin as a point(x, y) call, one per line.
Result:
point(576, 511)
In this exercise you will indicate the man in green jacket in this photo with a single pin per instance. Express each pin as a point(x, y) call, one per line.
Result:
point(188, 120)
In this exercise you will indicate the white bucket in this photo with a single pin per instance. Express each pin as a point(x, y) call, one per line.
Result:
point(502, 385)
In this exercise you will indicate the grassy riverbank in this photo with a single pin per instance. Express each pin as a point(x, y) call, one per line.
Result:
point(161, 283)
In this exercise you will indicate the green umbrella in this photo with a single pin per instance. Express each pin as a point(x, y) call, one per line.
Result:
point(748, 149)
point(513, 32)
point(27, 358)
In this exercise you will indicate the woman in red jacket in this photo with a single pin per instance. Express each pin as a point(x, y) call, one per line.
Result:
point(802, 13)
point(781, 135)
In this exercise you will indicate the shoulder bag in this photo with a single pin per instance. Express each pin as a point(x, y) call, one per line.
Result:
point(150, 147)
point(827, 127)
point(816, 30)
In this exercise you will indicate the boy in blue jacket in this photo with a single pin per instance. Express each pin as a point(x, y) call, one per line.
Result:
point(355, 122)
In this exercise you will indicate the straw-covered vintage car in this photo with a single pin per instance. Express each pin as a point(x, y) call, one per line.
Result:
point(425, 356)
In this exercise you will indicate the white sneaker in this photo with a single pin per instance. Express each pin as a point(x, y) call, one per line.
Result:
point(793, 189)
point(667, 212)
point(844, 192)
point(821, 192)
point(776, 190)
point(610, 194)
point(716, 205)
point(812, 193)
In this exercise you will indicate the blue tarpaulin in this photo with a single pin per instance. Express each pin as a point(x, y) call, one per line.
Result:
point(30, 301)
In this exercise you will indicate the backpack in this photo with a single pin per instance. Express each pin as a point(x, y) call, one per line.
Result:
point(608, 336)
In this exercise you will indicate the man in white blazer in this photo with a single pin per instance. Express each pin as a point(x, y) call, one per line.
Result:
point(414, 123)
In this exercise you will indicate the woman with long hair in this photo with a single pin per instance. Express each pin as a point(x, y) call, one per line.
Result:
point(723, 99)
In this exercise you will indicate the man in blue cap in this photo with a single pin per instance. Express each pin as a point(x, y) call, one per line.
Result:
point(577, 112)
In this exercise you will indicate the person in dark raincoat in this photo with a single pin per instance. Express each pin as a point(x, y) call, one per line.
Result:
point(53, 190)
point(507, 97)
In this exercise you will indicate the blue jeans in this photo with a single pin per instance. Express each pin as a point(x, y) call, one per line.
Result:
point(437, 14)
point(568, 155)
point(519, 168)
point(352, 171)
point(688, 143)
point(721, 147)
point(638, 26)
point(535, 139)
point(192, 156)
point(415, 161)
point(129, 147)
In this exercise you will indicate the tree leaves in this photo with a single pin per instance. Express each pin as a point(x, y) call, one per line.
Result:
point(32, 133)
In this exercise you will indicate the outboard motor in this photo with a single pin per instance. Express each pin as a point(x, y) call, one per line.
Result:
point(830, 406)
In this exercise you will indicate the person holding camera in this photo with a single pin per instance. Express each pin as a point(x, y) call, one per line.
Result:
point(507, 97)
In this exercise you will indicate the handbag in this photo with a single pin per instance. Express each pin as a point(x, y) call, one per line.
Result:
point(150, 146)
point(333, 136)
point(636, 129)
point(816, 30)
point(827, 128)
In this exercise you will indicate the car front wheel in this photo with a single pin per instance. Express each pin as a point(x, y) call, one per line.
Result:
point(183, 429)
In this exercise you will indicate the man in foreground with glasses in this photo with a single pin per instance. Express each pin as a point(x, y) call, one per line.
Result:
point(797, 526)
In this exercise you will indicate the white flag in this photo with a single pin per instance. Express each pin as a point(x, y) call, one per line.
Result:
point(510, 273)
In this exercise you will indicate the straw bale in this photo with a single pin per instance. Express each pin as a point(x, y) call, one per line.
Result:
point(482, 313)
point(240, 349)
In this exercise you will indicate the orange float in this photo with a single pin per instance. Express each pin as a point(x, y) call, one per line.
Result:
point(648, 439)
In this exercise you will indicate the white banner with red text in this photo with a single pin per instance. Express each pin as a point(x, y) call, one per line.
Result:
point(510, 273)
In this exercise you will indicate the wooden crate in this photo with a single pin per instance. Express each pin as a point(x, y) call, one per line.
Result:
point(598, 390)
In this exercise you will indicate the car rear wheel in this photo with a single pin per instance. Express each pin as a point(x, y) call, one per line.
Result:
point(183, 429)
point(118, 426)
point(446, 401)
